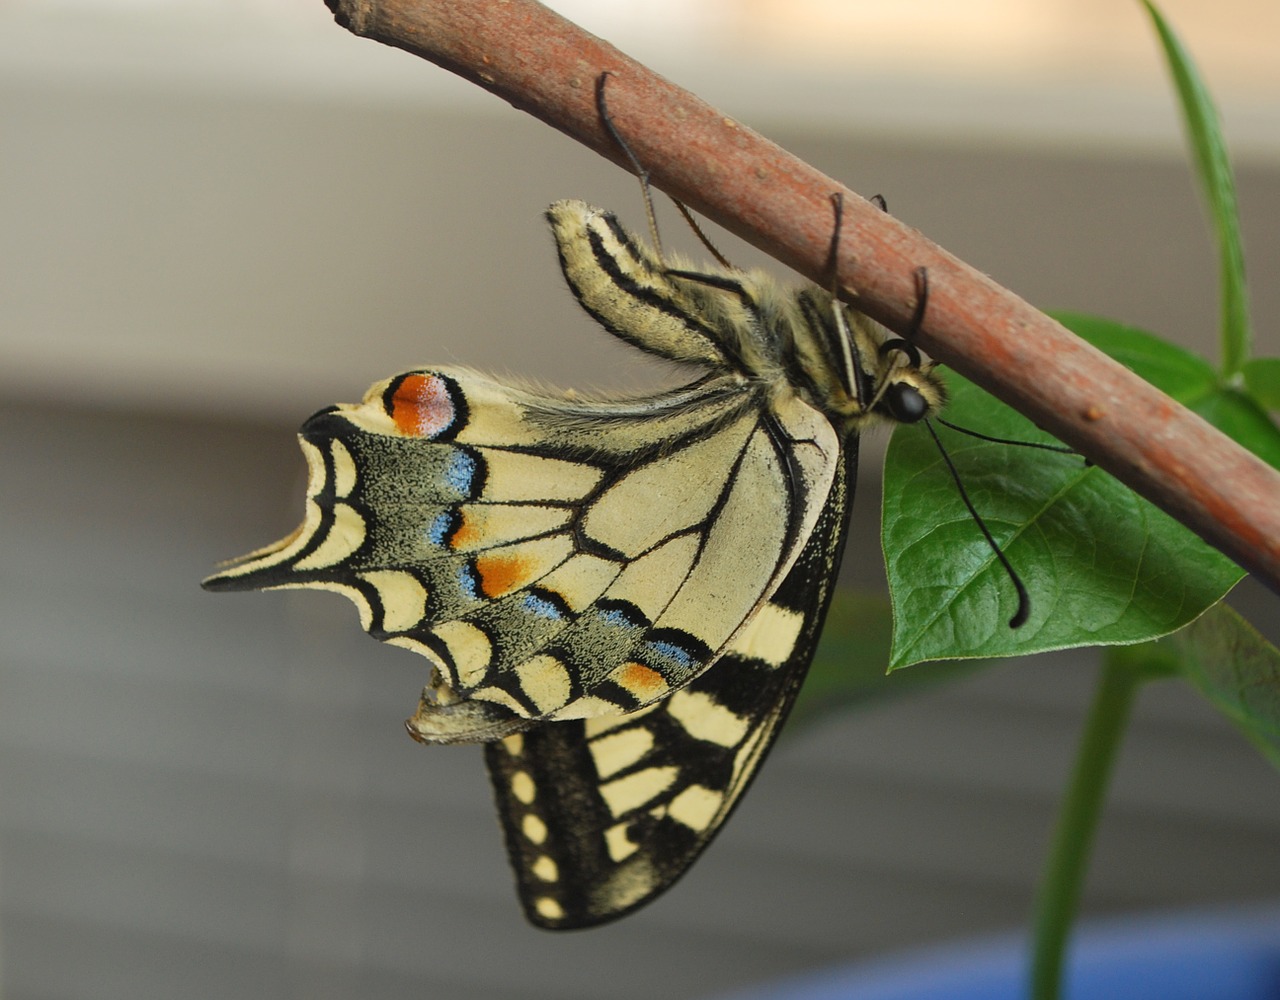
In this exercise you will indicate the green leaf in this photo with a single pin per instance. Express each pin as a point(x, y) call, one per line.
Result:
point(1244, 421)
point(1237, 670)
point(852, 660)
point(1262, 377)
point(1102, 566)
point(1217, 184)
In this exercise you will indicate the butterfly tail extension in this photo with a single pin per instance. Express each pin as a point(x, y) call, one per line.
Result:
point(387, 480)
point(601, 816)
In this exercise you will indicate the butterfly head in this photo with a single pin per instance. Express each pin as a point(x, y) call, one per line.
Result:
point(903, 388)
point(883, 380)
point(855, 372)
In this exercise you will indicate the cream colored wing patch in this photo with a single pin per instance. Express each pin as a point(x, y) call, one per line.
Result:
point(604, 814)
point(590, 576)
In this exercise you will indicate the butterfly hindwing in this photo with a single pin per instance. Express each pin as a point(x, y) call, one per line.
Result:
point(601, 815)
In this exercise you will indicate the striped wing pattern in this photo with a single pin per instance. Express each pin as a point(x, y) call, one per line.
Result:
point(543, 587)
point(602, 815)
point(588, 568)
point(620, 598)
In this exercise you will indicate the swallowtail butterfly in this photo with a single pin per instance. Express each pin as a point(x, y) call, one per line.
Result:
point(619, 598)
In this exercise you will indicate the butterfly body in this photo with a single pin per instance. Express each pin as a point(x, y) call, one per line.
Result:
point(620, 598)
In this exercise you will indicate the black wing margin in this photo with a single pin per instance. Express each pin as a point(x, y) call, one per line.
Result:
point(601, 816)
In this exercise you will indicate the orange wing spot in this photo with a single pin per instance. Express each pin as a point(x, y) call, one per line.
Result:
point(421, 406)
point(643, 682)
point(501, 574)
point(467, 534)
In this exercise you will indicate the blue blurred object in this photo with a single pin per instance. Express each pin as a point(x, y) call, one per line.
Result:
point(1226, 955)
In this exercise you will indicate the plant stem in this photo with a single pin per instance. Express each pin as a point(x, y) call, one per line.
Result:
point(1218, 188)
point(1065, 871)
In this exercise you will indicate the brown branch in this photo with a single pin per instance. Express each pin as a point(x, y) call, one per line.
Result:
point(545, 65)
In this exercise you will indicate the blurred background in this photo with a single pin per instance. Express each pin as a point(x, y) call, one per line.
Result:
point(217, 216)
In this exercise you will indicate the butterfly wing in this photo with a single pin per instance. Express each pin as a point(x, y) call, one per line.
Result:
point(602, 815)
point(553, 559)
point(620, 598)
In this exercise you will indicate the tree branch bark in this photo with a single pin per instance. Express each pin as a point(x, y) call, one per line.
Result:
point(547, 66)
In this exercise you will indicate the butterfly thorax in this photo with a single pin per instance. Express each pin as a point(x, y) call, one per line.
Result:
point(802, 341)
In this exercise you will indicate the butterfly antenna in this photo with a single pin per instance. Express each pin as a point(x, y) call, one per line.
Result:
point(922, 299)
point(603, 110)
point(1061, 449)
point(903, 345)
point(1024, 602)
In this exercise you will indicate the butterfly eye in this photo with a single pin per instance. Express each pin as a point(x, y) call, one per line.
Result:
point(905, 403)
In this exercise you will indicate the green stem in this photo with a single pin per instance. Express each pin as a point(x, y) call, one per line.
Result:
point(1064, 876)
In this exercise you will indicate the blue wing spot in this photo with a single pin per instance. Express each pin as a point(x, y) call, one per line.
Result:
point(543, 606)
point(673, 652)
point(621, 614)
point(441, 528)
point(669, 650)
point(468, 583)
point(460, 472)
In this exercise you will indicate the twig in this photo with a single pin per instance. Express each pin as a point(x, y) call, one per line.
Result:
point(545, 65)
